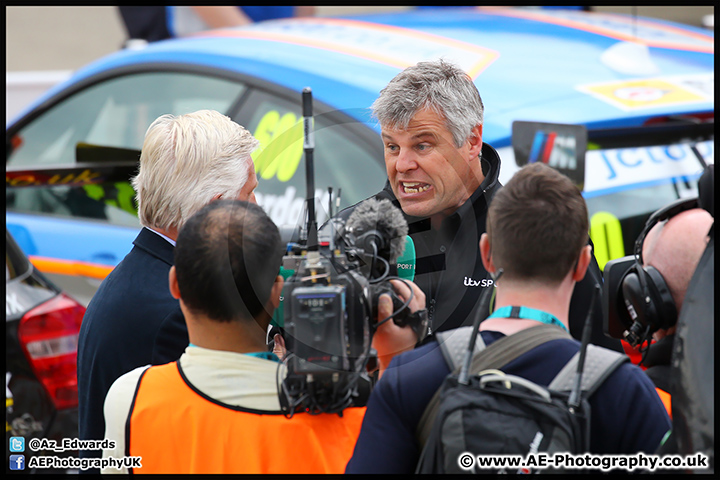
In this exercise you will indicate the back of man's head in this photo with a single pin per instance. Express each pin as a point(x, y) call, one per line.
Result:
point(186, 162)
point(674, 248)
point(439, 86)
point(226, 260)
point(537, 225)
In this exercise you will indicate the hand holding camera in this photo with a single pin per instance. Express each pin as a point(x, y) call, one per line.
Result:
point(409, 326)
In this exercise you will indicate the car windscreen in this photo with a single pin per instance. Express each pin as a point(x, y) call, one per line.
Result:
point(115, 112)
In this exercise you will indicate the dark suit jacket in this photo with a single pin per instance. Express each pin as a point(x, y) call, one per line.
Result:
point(131, 321)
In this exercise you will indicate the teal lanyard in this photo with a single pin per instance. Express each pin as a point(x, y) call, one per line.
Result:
point(527, 313)
point(265, 355)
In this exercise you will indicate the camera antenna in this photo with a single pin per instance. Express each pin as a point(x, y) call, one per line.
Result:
point(576, 392)
point(309, 147)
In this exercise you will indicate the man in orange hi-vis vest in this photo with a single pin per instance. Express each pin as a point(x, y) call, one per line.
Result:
point(216, 409)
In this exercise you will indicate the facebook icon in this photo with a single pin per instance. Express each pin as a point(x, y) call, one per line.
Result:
point(17, 462)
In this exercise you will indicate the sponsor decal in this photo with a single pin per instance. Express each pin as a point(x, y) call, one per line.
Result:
point(281, 146)
point(607, 237)
point(559, 146)
point(288, 208)
point(618, 169)
point(639, 94)
point(29, 178)
point(621, 27)
point(395, 46)
point(13, 305)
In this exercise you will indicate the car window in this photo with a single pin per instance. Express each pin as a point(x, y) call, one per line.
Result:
point(113, 113)
point(117, 113)
point(347, 157)
point(16, 263)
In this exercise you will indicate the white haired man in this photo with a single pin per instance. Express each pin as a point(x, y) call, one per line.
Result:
point(187, 161)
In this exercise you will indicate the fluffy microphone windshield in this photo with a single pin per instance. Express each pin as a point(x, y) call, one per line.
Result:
point(381, 222)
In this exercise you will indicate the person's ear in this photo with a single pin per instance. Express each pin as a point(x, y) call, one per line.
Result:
point(276, 291)
point(172, 280)
point(485, 253)
point(582, 264)
point(475, 141)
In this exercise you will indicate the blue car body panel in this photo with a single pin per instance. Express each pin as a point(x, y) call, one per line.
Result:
point(68, 239)
point(534, 65)
point(526, 64)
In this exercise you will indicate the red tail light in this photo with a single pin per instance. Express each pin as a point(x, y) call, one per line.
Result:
point(49, 337)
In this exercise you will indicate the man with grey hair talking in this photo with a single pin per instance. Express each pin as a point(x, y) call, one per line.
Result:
point(443, 177)
point(187, 161)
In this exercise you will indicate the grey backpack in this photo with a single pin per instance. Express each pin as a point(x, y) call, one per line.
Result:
point(482, 411)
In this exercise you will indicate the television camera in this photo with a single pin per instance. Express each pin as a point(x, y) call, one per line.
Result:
point(330, 297)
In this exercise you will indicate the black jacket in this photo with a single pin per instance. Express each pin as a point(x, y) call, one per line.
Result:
point(449, 269)
point(658, 360)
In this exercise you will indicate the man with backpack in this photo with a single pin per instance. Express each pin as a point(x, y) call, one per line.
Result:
point(536, 247)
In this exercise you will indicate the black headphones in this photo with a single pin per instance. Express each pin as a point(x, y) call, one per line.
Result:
point(643, 289)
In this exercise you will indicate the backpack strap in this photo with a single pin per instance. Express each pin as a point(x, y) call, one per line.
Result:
point(498, 354)
point(600, 363)
point(454, 345)
point(503, 351)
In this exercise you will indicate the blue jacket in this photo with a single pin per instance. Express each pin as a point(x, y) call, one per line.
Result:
point(627, 415)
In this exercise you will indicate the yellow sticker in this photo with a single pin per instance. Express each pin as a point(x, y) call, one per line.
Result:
point(281, 146)
point(637, 94)
point(607, 238)
point(119, 195)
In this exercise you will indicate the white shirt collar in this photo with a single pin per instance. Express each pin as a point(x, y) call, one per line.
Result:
point(172, 242)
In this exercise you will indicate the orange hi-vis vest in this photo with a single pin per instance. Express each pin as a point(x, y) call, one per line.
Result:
point(177, 429)
point(666, 400)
